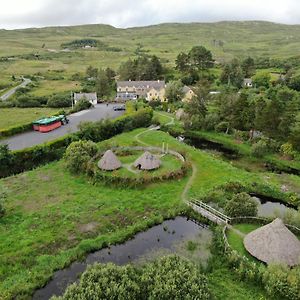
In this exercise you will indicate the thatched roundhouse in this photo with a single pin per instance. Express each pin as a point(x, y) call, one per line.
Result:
point(147, 161)
point(274, 243)
point(109, 161)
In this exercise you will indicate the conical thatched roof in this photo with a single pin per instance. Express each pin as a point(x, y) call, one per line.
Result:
point(147, 161)
point(274, 243)
point(109, 161)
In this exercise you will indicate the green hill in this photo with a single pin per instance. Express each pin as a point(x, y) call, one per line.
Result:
point(225, 39)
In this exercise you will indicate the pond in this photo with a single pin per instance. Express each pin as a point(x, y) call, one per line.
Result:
point(171, 236)
point(268, 206)
point(204, 144)
point(219, 150)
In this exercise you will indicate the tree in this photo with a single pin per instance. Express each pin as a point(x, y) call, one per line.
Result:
point(197, 105)
point(91, 72)
point(241, 205)
point(78, 154)
point(103, 87)
point(142, 68)
point(182, 62)
point(294, 137)
point(200, 58)
point(3, 196)
point(232, 74)
point(248, 67)
point(262, 79)
point(174, 91)
point(127, 70)
point(294, 83)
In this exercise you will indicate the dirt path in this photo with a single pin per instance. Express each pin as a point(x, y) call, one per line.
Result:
point(171, 119)
point(184, 194)
point(230, 227)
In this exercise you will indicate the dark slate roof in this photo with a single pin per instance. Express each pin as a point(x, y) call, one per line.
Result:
point(87, 96)
point(158, 84)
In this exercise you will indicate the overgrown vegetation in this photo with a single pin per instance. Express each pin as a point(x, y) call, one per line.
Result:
point(170, 277)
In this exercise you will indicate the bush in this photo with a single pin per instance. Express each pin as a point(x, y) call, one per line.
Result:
point(168, 278)
point(222, 127)
point(287, 150)
point(81, 104)
point(281, 282)
point(241, 205)
point(174, 278)
point(78, 154)
point(59, 100)
point(29, 101)
point(105, 282)
point(259, 149)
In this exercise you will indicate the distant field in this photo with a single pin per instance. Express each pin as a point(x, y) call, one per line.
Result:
point(18, 116)
point(225, 39)
point(48, 87)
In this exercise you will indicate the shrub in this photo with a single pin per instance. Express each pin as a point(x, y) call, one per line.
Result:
point(241, 205)
point(78, 154)
point(287, 150)
point(222, 127)
point(174, 278)
point(59, 100)
point(259, 149)
point(81, 104)
point(282, 283)
point(24, 101)
point(106, 282)
point(168, 278)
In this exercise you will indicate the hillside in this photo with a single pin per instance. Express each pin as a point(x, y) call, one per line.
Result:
point(225, 39)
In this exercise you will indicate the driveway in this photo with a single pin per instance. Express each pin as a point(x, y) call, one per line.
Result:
point(32, 138)
point(12, 91)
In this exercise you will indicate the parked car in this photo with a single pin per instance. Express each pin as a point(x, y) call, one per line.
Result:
point(119, 107)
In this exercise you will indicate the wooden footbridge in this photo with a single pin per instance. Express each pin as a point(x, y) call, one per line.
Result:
point(209, 212)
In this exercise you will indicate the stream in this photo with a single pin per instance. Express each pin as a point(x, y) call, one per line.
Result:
point(169, 237)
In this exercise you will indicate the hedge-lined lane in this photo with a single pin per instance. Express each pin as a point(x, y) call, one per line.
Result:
point(32, 138)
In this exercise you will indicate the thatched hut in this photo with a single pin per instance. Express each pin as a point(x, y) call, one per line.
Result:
point(274, 243)
point(109, 161)
point(147, 161)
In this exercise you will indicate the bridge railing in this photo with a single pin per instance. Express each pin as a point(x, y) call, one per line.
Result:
point(211, 210)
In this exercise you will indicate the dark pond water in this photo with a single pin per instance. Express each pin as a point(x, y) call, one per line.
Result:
point(161, 237)
point(203, 144)
point(229, 154)
point(268, 207)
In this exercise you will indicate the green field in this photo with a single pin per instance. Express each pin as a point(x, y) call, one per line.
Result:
point(240, 39)
point(11, 117)
point(57, 217)
point(235, 239)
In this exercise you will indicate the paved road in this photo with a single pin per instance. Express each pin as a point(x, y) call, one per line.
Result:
point(28, 139)
point(12, 91)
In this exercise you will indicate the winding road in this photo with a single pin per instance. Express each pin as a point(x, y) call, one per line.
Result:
point(13, 90)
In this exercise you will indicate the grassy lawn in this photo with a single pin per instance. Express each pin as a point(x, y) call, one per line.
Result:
point(11, 117)
point(225, 285)
point(236, 241)
point(57, 217)
point(169, 163)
